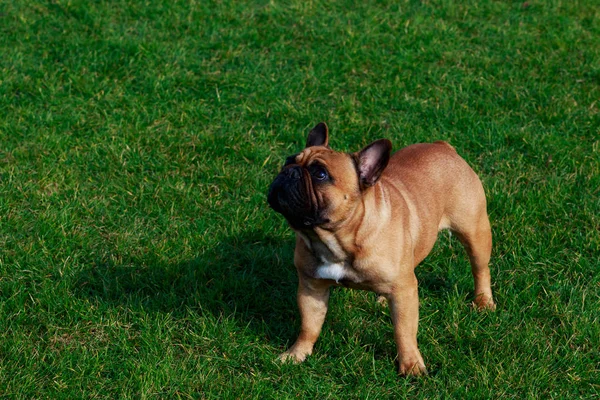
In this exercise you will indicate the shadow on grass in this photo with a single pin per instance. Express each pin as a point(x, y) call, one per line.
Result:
point(249, 277)
point(431, 283)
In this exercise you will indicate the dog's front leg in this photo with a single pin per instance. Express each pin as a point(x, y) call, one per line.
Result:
point(404, 308)
point(313, 298)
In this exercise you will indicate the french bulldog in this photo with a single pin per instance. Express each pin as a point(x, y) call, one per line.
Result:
point(365, 220)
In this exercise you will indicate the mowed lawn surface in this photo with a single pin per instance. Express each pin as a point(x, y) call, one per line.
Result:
point(138, 256)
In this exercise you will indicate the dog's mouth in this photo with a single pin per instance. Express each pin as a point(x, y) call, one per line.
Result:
point(292, 194)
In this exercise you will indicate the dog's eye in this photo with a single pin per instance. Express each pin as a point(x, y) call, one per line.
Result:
point(319, 173)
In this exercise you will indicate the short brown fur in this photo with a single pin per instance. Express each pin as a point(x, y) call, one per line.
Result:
point(377, 235)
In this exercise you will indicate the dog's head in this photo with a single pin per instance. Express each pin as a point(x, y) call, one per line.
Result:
point(320, 186)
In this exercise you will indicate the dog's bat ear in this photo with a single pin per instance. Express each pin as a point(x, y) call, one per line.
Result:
point(372, 160)
point(318, 136)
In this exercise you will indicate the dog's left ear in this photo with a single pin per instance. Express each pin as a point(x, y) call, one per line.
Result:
point(372, 160)
point(318, 136)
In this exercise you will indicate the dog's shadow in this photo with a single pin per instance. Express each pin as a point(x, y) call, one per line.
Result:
point(250, 277)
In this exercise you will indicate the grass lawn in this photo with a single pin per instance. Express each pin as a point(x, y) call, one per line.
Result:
point(139, 258)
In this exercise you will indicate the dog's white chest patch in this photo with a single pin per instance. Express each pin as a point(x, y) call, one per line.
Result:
point(333, 271)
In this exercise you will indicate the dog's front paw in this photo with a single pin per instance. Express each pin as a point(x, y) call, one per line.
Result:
point(411, 365)
point(293, 356)
point(483, 303)
point(412, 368)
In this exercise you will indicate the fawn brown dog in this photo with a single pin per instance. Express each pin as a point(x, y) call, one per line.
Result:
point(365, 220)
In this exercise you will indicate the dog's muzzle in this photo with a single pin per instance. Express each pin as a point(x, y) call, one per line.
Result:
point(289, 195)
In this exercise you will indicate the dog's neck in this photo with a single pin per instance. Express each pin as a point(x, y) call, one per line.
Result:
point(327, 242)
point(325, 245)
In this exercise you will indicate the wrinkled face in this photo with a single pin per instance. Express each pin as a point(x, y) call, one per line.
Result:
point(315, 187)
point(320, 186)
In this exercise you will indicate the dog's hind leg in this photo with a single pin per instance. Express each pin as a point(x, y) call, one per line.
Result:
point(477, 241)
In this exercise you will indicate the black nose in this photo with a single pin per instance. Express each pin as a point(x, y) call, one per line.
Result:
point(293, 172)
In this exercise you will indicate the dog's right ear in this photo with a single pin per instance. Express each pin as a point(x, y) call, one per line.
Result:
point(372, 160)
point(318, 136)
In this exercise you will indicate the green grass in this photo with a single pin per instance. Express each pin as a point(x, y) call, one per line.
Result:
point(137, 141)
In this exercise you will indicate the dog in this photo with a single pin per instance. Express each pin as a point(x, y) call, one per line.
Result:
point(365, 220)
